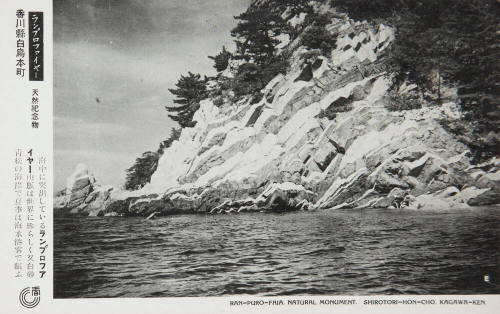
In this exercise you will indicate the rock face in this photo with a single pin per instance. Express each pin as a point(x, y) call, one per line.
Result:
point(324, 142)
point(82, 195)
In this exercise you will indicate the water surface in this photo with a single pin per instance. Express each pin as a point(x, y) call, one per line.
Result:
point(330, 252)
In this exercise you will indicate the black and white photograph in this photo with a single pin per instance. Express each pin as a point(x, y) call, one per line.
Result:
point(275, 148)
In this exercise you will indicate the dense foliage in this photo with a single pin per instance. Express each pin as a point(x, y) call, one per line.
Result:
point(316, 36)
point(256, 34)
point(369, 9)
point(446, 41)
point(139, 174)
point(191, 89)
point(221, 60)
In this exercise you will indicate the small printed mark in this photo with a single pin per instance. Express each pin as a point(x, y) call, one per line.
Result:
point(30, 297)
point(487, 278)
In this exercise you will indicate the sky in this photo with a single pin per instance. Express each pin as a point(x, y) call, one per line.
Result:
point(114, 61)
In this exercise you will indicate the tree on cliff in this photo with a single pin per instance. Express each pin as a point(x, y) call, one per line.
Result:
point(456, 40)
point(139, 174)
point(478, 75)
point(316, 36)
point(425, 49)
point(221, 60)
point(446, 41)
point(256, 37)
point(191, 89)
point(256, 34)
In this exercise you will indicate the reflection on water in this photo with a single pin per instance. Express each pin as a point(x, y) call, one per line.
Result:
point(347, 252)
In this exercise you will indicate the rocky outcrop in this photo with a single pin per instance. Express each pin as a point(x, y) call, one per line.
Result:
point(326, 140)
point(83, 195)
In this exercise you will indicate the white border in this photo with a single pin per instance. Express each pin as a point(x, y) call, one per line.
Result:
point(15, 132)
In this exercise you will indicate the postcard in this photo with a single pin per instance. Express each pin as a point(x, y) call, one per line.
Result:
point(188, 156)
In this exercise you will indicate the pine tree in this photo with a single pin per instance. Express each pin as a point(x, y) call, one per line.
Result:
point(316, 35)
point(191, 89)
point(221, 60)
point(139, 174)
point(256, 34)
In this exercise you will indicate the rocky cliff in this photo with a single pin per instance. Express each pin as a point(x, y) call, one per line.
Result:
point(321, 137)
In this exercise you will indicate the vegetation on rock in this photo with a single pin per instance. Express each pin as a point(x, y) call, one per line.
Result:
point(139, 174)
point(191, 89)
point(449, 42)
point(437, 43)
point(221, 60)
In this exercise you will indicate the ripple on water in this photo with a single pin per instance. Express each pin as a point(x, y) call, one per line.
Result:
point(303, 253)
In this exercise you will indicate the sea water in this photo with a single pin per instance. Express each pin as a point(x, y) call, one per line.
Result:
point(324, 252)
